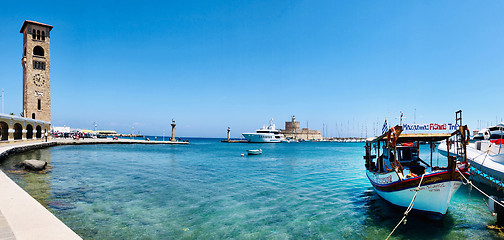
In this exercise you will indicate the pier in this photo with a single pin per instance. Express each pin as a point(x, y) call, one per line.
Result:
point(235, 141)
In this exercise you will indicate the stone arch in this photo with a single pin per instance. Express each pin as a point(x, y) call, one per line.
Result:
point(4, 131)
point(18, 131)
point(39, 132)
point(29, 131)
point(38, 51)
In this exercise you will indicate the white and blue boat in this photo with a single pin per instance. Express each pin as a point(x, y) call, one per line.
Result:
point(396, 171)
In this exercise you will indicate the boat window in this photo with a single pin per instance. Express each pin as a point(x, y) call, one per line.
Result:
point(404, 154)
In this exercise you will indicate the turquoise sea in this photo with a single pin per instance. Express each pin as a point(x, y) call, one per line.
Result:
point(206, 190)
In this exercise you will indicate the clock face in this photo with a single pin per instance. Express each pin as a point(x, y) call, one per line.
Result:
point(38, 80)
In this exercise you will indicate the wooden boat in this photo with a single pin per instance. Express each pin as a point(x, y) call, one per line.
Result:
point(398, 172)
point(254, 151)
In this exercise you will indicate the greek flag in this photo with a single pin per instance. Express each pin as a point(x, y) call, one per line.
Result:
point(385, 127)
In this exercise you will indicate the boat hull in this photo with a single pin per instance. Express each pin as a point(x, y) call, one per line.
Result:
point(433, 197)
point(487, 168)
point(261, 138)
point(254, 152)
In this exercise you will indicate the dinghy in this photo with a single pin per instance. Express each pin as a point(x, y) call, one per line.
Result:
point(254, 151)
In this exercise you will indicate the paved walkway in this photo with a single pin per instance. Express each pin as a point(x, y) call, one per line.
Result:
point(5, 230)
point(22, 216)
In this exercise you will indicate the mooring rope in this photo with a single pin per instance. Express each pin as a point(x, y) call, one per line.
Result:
point(472, 185)
point(487, 151)
point(408, 209)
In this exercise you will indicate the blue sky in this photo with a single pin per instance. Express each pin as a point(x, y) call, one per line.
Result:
point(214, 64)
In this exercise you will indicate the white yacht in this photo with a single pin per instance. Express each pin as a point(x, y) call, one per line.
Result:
point(485, 155)
point(265, 135)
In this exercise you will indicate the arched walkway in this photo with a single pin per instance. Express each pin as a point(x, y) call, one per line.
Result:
point(39, 132)
point(4, 131)
point(18, 131)
point(29, 131)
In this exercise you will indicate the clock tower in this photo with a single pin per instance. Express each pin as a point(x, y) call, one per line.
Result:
point(36, 63)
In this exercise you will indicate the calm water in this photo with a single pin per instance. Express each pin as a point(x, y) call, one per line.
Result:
point(206, 190)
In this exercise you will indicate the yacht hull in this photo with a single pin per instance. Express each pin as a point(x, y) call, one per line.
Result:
point(261, 138)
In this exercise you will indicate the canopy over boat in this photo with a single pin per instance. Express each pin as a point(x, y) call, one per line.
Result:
point(411, 137)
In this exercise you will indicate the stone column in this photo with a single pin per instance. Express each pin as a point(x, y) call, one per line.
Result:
point(173, 131)
point(11, 134)
point(229, 134)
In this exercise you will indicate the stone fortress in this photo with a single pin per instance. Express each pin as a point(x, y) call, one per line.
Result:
point(36, 62)
point(293, 131)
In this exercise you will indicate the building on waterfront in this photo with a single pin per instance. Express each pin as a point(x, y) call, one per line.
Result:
point(14, 128)
point(293, 131)
point(36, 62)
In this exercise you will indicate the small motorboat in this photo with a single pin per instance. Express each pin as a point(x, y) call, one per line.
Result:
point(254, 151)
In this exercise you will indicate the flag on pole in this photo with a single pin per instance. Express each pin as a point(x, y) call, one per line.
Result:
point(385, 127)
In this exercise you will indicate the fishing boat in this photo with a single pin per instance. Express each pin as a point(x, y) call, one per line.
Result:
point(401, 177)
point(254, 151)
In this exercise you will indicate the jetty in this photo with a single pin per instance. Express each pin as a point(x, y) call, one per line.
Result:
point(229, 140)
point(235, 141)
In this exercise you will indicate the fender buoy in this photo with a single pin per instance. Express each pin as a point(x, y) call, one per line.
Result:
point(467, 135)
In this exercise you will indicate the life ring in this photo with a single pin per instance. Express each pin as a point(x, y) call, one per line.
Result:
point(392, 136)
point(467, 135)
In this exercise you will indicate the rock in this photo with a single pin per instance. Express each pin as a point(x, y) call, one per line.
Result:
point(35, 165)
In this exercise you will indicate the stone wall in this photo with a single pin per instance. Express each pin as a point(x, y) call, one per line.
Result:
point(304, 134)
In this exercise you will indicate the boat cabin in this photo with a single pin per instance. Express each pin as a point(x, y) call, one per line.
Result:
point(400, 153)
